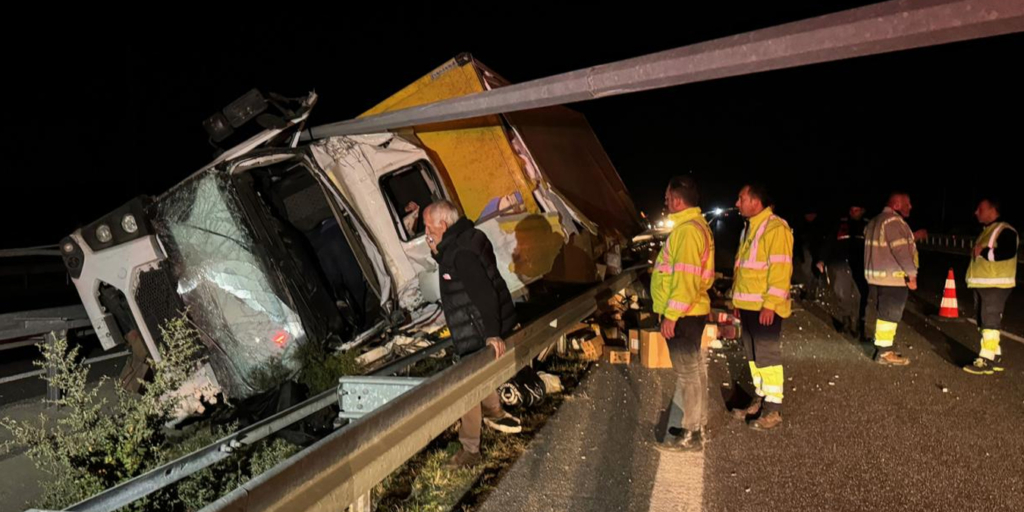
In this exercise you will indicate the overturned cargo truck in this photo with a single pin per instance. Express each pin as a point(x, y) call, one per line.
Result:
point(277, 244)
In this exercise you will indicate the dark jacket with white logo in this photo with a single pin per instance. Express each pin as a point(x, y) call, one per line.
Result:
point(475, 298)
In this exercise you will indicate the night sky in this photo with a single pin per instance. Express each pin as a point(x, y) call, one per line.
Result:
point(103, 112)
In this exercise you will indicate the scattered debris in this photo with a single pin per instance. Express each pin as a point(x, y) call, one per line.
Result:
point(831, 383)
point(945, 390)
point(618, 356)
point(552, 384)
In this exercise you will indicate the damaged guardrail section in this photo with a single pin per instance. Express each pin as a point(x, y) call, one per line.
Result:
point(343, 467)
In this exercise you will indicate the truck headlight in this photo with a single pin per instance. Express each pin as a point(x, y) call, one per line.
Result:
point(103, 234)
point(129, 224)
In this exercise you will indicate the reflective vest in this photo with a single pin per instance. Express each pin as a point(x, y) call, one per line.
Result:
point(988, 273)
point(890, 253)
point(685, 269)
point(764, 265)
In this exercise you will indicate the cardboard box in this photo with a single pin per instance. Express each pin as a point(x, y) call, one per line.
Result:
point(610, 332)
point(654, 350)
point(710, 334)
point(634, 341)
point(593, 348)
point(578, 327)
point(618, 356)
point(583, 330)
point(728, 332)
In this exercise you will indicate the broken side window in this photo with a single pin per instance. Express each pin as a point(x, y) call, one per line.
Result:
point(409, 191)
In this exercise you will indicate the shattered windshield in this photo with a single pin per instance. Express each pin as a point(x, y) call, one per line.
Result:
point(248, 327)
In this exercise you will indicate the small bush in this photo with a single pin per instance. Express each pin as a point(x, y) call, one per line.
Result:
point(95, 445)
point(321, 369)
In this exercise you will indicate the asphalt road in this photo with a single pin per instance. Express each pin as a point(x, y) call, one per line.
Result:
point(856, 436)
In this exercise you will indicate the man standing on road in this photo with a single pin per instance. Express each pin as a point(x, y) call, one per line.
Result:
point(683, 274)
point(842, 259)
point(992, 275)
point(808, 239)
point(478, 309)
point(890, 266)
point(761, 283)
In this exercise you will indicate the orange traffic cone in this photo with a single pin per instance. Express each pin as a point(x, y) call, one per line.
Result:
point(949, 308)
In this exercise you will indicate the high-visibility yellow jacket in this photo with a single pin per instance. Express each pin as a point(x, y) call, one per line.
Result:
point(685, 269)
point(988, 272)
point(764, 265)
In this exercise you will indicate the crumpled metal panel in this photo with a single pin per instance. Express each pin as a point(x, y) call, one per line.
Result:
point(245, 323)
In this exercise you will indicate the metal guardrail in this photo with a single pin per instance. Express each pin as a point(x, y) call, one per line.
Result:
point(43, 326)
point(879, 28)
point(39, 373)
point(143, 485)
point(343, 467)
point(955, 244)
point(521, 345)
point(39, 322)
point(44, 250)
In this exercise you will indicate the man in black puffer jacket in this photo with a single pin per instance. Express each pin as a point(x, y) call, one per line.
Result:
point(477, 307)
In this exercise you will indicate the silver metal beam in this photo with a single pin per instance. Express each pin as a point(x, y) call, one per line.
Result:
point(880, 28)
point(37, 373)
point(143, 485)
point(45, 250)
point(39, 322)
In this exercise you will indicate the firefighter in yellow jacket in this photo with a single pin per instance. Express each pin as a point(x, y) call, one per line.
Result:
point(683, 274)
point(992, 275)
point(761, 282)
